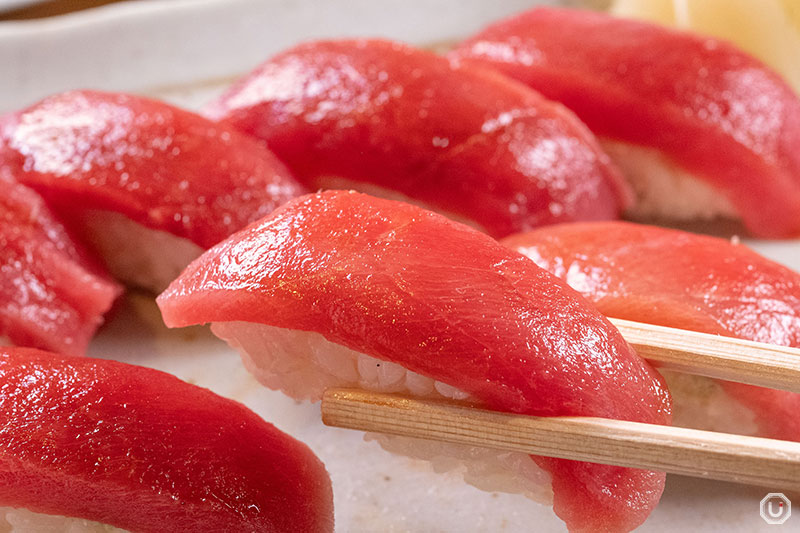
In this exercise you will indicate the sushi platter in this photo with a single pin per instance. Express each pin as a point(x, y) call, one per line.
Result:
point(188, 53)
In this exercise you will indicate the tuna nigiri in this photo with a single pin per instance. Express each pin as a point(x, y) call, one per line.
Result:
point(396, 121)
point(340, 288)
point(678, 279)
point(148, 184)
point(134, 448)
point(51, 295)
point(700, 128)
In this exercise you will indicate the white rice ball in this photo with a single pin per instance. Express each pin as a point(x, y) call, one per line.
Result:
point(303, 364)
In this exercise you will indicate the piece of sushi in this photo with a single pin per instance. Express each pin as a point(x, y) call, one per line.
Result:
point(682, 280)
point(52, 296)
point(399, 122)
point(699, 128)
point(148, 185)
point(98, 445)
point(343, 289)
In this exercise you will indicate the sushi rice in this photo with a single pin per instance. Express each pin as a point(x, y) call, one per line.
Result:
point(664, 190)
point(303, 364)
point(701, 403)
point(14, 520)
point(135, 254)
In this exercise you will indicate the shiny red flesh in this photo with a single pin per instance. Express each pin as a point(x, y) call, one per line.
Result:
point(678, 279)
point(461, 140)
point(51, 296)
point(712, 109)
point(141, 450)
point(163, 167)
point(409, 286)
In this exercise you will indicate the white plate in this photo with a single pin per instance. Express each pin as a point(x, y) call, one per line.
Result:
point(185, 51)
point(9, 5)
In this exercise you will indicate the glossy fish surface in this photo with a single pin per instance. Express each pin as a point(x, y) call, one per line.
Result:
point(467, 142)
point(406, 285)
point(711, 109)
point(163, 167)
point(682, 280)
point(52, 296)
point(141, 450)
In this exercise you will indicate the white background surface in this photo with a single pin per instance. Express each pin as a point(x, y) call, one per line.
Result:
point(185, 51)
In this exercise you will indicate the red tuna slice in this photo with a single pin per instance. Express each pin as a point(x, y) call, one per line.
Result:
point(102, 159)
point(377, 115)
point(163, 167)
point(408, 286)
point(51, 295)
point(141, 450)
point(678, 279)
point(709, 108)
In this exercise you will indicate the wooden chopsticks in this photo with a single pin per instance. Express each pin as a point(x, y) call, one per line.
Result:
point(714, 356)
point(751, 460)
point(690, 452)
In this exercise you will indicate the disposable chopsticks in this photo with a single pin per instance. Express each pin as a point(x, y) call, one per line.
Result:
point(690, 452)
point(706, 454)
point(755, 363)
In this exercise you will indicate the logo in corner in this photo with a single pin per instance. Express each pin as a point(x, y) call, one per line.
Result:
point(776, 508)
